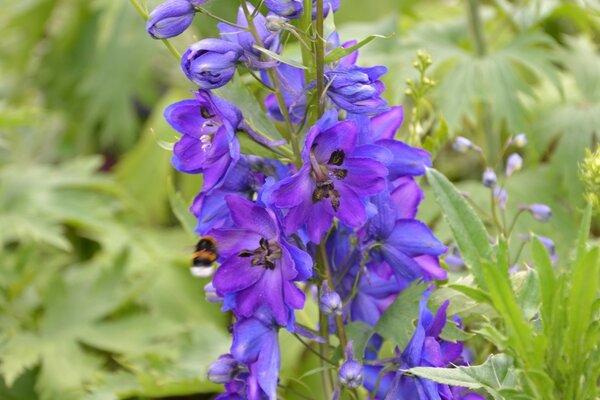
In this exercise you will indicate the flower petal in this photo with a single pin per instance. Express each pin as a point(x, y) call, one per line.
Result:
point(386, 124)
point(236, 274)
point(365, 176)
point(231, 241)
point(341, 136)
point(249, 216)
point(351, 211)
point(414, 238)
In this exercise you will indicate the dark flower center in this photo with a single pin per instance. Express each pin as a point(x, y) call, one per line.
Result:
point(265, 255)
point(325, 175)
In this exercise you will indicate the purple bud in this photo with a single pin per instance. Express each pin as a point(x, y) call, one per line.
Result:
point(197, 3)
point(549, 245)
point(520, 140)
point(462, 144)
point(291, 9)
point(350, 374)
point(489, 178)
point(500, 197)
point(211, 294)
point(211, 63)
point(170, 19)
point(513, 164)
point(330, 302)
point(454, 260)
point(223, 370)
point(275, 23)
point(540, 212)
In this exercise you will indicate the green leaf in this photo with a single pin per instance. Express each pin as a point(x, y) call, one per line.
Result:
point(584, 232)
point(340, 52)
point(453, 333)
point(252, 147)
point(496, 374)
point(20, 353)
point(503, 298)
point(474, 293)
point(237, 93)
point(397, 322)
point(543, 266)
point(360, 333)
point(528, 295)
point(467, 228)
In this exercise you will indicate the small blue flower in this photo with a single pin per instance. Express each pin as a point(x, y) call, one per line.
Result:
point(211, 63)
point(489, 178)
point(520, 140)
point(330, 302)
point(514, 163)
point(350, 374)
point(170, 19)
point(462, 144)
point(291, 9)
point(223, 370)
point(356, 89)
point(540, 212)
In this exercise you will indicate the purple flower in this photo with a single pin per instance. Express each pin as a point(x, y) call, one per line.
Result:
point(489, 178)
point(514, 163)
point(327, 6)
point(425, 348)
point(259, 266)
point(223, 370)
point(331, 183)
point(540, 212)
point(330, 302)
point(255, 343)
point(462, 144)
point(208, 144)
point(356, 89)
point(211, 63)
point(246, 40)
point(170, 19)
point(291, 9)
point(520, 140)
point(350, 374)
point(294, 93)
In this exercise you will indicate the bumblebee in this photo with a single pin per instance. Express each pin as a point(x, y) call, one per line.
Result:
point(204, 257)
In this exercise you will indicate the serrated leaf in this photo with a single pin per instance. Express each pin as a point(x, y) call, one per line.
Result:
point(20, 353)
point(360, 333)
point(494, 375)
point(397, 322)
point(453, 333)
point(468, 230)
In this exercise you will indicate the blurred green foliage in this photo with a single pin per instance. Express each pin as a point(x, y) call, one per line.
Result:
point(95, 299)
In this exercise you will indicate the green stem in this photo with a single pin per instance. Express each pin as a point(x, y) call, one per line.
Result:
point(289, 135)
point(216, 17)
point(323, 351)
point(476, 27)
point(328, 280)
point(320, 57)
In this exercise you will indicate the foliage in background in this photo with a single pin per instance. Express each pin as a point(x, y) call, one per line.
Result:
point(95, 298)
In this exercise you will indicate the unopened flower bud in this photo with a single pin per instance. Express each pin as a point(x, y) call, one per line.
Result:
point(500, 197)
point(170, 19)
point(489, 178)
point(211, 63)
point(513, 164)
point(589, 171)
point(330, 302)
point(211, 294)
point(286, 8)
point(462, 144)
point(540, 212)
point(350, 374)
point(549, 245)
point(520, 140)
point(223, 370)
point(275, 23)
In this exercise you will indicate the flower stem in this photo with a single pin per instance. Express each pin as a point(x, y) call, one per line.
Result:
point(211, 15)
point(320, 56)
point(289, 135)
point(339, 321)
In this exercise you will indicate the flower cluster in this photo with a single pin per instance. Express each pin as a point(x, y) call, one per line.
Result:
point(333, 209)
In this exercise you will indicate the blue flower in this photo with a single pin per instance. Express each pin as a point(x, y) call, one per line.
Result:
point(356, 89)
point(246, 40)
point(255, 343)
point(259, 266)
point(291, 9)
point(211, 63)
point(208, 144)
point(170, 19)
point(331, 183)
